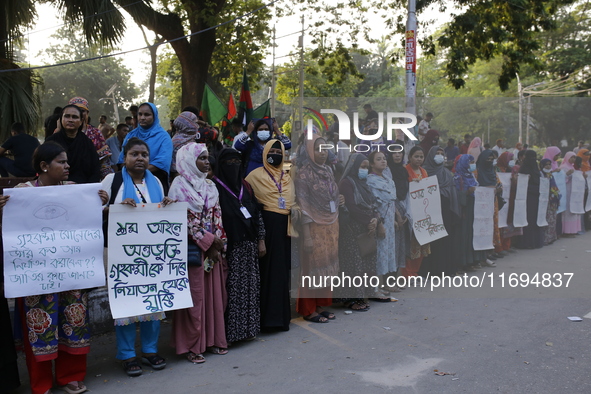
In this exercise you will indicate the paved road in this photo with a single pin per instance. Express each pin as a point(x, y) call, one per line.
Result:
point(490, 339)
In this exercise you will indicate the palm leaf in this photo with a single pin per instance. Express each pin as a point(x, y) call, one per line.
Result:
point(19, 99)
point(102, 22)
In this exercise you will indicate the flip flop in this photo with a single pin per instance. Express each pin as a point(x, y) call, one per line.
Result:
point(381, 299)
point(71, 389)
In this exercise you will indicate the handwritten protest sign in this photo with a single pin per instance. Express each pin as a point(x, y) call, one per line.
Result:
point(484, 212)
point(543, 205)
point(505, 178)
point(577, 194)
point(520, 214)
point(425, 208)
point(53, 239)
point(560, 178)
point(147, 269)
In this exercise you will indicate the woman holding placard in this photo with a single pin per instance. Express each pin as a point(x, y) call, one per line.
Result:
point(201, 327)
point(443, 259)
point(553, 202)
point(136, 185)
point(54, 326)
point(416, 157)
point(571, 222)
point(533, 235)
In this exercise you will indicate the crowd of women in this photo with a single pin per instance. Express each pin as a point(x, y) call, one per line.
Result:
point(252, 220)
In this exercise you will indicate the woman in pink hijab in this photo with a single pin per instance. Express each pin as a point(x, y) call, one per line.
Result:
point(475, 148)
point(552, 153)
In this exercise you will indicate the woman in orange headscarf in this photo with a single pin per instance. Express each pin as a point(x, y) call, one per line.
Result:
point(584, 154)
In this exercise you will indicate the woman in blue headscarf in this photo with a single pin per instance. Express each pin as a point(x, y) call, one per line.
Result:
point(132, 186)
point(157, 139)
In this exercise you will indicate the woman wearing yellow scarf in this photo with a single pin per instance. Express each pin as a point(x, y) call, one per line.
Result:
point(273, 188)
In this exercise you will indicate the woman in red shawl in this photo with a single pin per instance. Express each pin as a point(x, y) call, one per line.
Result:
point(318, 196)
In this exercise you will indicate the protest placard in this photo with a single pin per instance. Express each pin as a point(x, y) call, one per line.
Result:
point(484, 213)
point(543, 205)
point(577, 194)
point(147, 261)
point(425, 208)
point(520, 214)
point(53, 239)
point(560, 178)
point(505, 178)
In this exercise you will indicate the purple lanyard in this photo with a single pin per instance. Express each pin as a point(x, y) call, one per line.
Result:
point(278, 184)
point(239, 197)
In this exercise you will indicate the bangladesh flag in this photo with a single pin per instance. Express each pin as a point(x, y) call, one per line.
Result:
point(262, 111)
point(212, 108)
point(245, 102)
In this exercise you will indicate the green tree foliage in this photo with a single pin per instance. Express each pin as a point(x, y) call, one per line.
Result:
point(87, 79)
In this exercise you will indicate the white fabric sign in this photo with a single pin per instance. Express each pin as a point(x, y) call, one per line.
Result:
point(577, 194)
point(425, 208)
point(543, 204)
point(53, 239)
point(147, 269)
point(560, 178)
point(588, 203)
point(484, 213)
point(520, 214)
point(505, 178)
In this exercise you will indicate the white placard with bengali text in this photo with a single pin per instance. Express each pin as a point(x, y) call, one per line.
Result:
point(588, 203)
point(543, 204)
point(505, 178)
point(560, 179)
point(425, 208)
point(520, 213)
point(53, 239)
point(484, 213)
point(147, 265)
point(577, 194)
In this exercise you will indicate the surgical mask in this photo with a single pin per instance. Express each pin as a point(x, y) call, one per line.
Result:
point(438, 159)
point(494, 162)
point(511, 163)
point(274, 159)
point(547, 170)
point(363, 172)
point(264, 135)
point(472, 167)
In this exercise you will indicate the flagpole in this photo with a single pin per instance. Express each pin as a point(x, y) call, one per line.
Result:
point(273, 78)
point(411, 58)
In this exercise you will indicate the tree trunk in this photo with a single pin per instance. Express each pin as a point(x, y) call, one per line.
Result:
point(195, 66)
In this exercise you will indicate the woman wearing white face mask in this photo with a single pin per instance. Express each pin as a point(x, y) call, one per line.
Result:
point(252, 141)
point(443, 258)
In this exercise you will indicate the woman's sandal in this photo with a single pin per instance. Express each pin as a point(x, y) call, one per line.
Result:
point(217, 350)
point(328, 315)
point(132, 368)
point(319, 318)
point(75, 389)
point(154, 361)
point(357, 306)
point(195, 358)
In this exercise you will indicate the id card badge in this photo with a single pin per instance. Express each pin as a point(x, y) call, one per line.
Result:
point(245, 212)
point(333, 207)
point(281, 203)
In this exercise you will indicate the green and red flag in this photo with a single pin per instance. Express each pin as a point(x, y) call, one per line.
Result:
point(262, 111)
point(245, 102)
point(212, 108)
